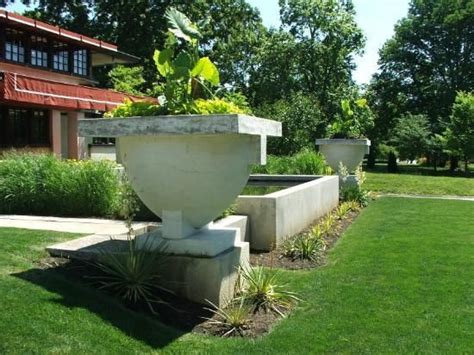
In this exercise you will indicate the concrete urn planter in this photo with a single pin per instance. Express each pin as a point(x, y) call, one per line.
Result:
point(349, 152)
point(187, 170)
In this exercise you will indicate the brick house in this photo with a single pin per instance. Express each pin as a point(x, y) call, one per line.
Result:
point(46, 85)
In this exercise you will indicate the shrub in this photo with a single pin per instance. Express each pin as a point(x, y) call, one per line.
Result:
point(234, 318)
point(263, 290)
point(304, 246)
point(306, 162)
point(302, 122)
point(45, 185)
point(133, 275)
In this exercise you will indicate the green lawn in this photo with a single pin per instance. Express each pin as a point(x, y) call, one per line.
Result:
point(419, 184)
point(399, 281)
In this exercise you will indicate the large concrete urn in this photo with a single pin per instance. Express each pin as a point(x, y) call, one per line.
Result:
point(188, 169)
point(349, 152)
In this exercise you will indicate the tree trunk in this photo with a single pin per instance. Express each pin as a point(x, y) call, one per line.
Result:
point(453, 163)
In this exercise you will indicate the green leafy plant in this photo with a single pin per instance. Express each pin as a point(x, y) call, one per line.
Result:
point(133, 275)
point(187, 81)
point(342, 210)
point(353, 121)
point(263, 289)
point(304, 246)
point(234, 317)
point(305, 162)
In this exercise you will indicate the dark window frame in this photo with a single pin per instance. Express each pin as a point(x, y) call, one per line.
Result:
point(28, 45)
point(36, 134)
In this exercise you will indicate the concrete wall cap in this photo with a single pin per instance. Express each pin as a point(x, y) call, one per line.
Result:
point(179, 125)
point(363, 141)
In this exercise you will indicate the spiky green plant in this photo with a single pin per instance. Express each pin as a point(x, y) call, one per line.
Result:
point(262, 288)
point(234, 317)
point(304, 246)
point(133, 275)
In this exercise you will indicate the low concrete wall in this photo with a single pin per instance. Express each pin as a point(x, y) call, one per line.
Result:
point(279, 215)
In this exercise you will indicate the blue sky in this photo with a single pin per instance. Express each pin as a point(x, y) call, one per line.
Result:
point(375, 17)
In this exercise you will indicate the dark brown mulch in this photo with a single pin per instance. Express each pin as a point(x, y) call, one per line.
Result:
point(259, 324)
point(177, 312)
point(276, 259)
point(190, 316)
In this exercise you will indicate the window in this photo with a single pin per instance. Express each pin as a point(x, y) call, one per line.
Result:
point(14, 45)
point(60, 57)
point(17, 125)
point(21, 127)
point(80, 62)
point(39, 51)
point(39, 128)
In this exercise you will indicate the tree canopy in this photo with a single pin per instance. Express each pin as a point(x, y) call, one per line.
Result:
point(426, 62)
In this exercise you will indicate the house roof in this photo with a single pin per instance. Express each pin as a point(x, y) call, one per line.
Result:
point(104, 52)
point(20, 89)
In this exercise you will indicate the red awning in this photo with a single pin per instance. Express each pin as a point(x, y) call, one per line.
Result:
point(26, 90)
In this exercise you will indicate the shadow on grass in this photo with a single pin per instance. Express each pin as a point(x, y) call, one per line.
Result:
point(77, 295)
point(420, 171)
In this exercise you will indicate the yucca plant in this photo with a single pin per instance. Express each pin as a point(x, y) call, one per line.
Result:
point(234, 318)
point(327, 223)
point(263, 290)
point(133, 275)
point(305, 246)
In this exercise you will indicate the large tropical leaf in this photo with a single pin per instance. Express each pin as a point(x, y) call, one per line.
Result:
point(163, 61)
point(181, 26)
point(206, 69)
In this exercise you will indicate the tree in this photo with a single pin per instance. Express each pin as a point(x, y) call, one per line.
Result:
point(301, 121)
point(460, 131)
point(412, 136)
point(327, 37)
point(425, 63)
point(231, 29)
point(127, 79)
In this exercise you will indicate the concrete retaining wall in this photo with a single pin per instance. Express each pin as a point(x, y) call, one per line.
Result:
point(279, 215)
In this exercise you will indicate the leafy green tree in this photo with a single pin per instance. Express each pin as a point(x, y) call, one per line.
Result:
point(231, 29)
point(301, 120)
point(412, 136)
point(425, 63)
point(327, 37)
point(127, 79)
point(460, 131)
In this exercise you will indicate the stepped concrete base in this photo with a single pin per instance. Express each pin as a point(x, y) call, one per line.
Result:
point(198, 277)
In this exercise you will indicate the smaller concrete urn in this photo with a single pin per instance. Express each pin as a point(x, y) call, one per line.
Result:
point(349, 152)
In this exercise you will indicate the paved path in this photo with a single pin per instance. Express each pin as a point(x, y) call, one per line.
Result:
point(440, 197)
point(71, 225)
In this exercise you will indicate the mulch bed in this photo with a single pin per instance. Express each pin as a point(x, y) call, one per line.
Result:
point(276, 259)
point(190, 316)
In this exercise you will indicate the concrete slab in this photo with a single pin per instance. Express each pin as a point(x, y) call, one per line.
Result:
point(72, 225)
point(179, 125)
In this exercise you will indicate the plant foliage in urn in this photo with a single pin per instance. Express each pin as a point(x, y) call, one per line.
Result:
point(187, 82)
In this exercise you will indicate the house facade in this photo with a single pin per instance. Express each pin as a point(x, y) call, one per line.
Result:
point(46, 86)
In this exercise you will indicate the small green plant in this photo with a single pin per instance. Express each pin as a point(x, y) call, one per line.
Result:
point(342, 210)
point(353, 121)
point(263, 289)
point(133, 275)
point(305, 162)
point(353, 192)
point(234, 317)
point(304, 246)
point(327, 224)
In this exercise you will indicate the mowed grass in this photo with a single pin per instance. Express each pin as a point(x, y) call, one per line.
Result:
point(419, 184)
point(399, 281)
